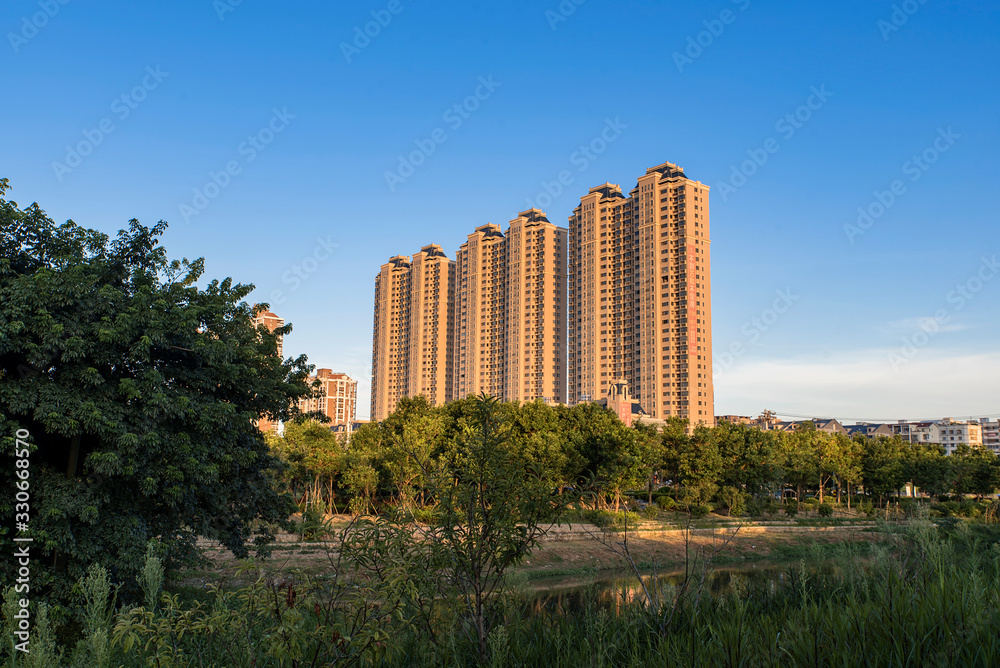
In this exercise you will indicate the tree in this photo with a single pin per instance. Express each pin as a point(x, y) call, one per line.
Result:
point(314, 456)
point(882, 465)
point(749, 457)
point(492, 508)
point(141, 393)
point(408, 439)
point(928, 468)
point(700, 466)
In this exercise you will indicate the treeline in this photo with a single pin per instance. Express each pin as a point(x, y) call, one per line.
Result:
point(730, 465)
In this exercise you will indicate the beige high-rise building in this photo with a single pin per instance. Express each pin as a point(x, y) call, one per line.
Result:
point(481, 314)
point(510, 311)
point(640, 295)
point(536, 309)
point(412, 340)
point(338, 398)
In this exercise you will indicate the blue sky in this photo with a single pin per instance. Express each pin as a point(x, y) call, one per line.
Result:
point(893, 318)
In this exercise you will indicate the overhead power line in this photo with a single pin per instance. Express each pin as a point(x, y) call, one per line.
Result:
point(884, 420)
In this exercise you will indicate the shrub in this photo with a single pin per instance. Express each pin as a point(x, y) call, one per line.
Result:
point(824, 510)
point(650, 512)
point(313, 525)
point(734, 499)
point(701, 510)
point(755, 507)
point(868, 508)
point(792, 509)
point(424, 515)
point(665, 502)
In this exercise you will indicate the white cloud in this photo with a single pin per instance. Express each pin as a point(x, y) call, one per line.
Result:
point(863, 384)
point(910, 325)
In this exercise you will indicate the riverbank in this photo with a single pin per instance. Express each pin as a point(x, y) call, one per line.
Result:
point(580, 548)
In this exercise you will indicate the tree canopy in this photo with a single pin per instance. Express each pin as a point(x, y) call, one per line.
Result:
point(140, 391)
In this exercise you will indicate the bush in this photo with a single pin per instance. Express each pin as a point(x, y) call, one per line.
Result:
point(868, 508)
point(792, 509)
point(824, 510)
point(701, 510)
point(665, 502)
point(424, 515)
point(734, 499)
point(650, 512)
point(755, 507)
point(313, 525)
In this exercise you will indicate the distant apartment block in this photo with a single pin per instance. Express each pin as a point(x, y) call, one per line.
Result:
point(271, 322)
point(492, 321)
point(338, 398)
point(991, 434)
point(821, 424)
point(952, 434)
point(510, 311)
point(869, 430)
point(412, 340)
point(640, 295)
point(622, 299)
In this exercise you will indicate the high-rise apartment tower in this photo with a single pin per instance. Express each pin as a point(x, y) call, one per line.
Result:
point(640, 295)
point(510, 311)
point(412, 341)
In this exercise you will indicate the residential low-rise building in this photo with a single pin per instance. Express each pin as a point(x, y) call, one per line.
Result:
point(991, 434)
point(951, 434)
point(869, 430)
point(338, 398)
point(822, 424)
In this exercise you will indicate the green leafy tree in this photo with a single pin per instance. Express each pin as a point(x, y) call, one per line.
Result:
point(141, 392)
point(882, 464)
point(315, 456)
point(493, 507)
point(928, 468)
point(700, 466)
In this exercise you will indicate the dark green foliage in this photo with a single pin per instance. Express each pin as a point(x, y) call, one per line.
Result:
point(929, 596)
point(702, 510)
point(140, 391)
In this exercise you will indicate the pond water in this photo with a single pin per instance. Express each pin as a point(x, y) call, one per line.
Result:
point(609, 590)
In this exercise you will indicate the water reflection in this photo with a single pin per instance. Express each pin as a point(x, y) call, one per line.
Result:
point(611, 591)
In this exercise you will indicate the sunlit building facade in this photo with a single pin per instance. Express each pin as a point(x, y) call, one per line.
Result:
point(640, 295)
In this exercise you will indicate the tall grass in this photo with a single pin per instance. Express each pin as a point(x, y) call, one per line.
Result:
point(928, 596)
